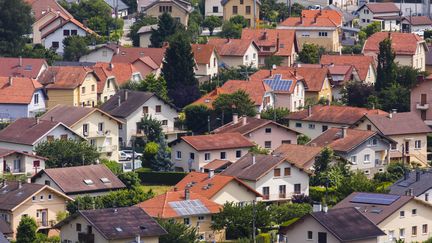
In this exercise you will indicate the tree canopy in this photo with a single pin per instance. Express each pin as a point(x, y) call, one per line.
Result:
point(310, 53)
point(75, 46)
point(167, 26)
point(177, 232)
point(150, 84)
point(212, 22)
point(386, 70)
point(26, 230)
point(197, 118)
point(238, 102)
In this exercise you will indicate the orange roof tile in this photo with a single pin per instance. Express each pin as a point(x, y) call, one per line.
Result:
point(30, 67)
point(333, 138)
point(67, 19)
point(217, 164)
point(131, 54)
point(402, 43)
point(303, 156)
point(272, 37)
point(209, 98)
point(231, 47)
point(19, 91)
point(41, 7)
point(333, 15)
point(203, 52)
point(64, 77)
point(217, 141)
point(121, 71)
point(159, 206)
point(360, 62)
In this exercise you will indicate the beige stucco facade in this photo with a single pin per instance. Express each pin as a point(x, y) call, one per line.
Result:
point(325, 93)
point(421, 99)
point(233, 192)
point(21, 164)
point(275, 135)
point(244, 8)
point(312, 36)
point(203, 224)
point(109, 89)
point(176, 12)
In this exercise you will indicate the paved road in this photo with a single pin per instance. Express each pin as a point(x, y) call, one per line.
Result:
point(125, 40)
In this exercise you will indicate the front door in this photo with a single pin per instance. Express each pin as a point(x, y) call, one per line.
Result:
point(322, 237)
point(407, 147)
point(43, 217)
point(423, 99)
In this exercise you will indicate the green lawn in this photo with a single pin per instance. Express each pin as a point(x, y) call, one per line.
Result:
point(157, 189)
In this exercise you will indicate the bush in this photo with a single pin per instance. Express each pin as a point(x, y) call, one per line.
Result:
point(263, 238)
point(317, 193)
point(165, 178)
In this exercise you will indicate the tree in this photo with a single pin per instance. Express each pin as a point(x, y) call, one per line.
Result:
point(395, 97)
point(177, 232)
point(115, 167)
point(303, 139)
point(151, 127)
point(26, 231)
point(15, 22)
point(39, 51)
point(142, 20)
point(231, 30)
point(75, 46)
point(273, 11)
point(240, 20)
point(194, 24)
point(287, 211)
point(322, 162)
point(407, 76)
point(386, 70)
point(356, 182)
point(356, 49)
point(132, 4)
point(130, 179)
point(394, 172)
point(182, 85)
point(149, 84)
point(161, 160)
point(197, 118)
point(66, 153)
point(276, 114)
point(212, 22)
point(167, 26)
point(372, 28)
point(256, 149)
point(272, 60)
point(296, 9)
point(357, 94)
point(310, 53)
point(238, 102)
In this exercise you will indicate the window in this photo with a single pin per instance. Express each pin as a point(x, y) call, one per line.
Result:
point(89, 229)
point(50, 138)
point(235, 9)
point(178, 155)
point(402, 214)
point(267, 144)
point(268, 130)
point(424, 229)
point(158, 108)
point(66, 32)
point(34, 198)
point(414, 212)
point(305, 34)
point(100, 126)
point(47, 182)
point(298, 124)
point(83, 90)
point(282, 191)
point(414, 231)
point(353, 160)
point(309, 235)
point(201, 218)
point(186, 221)
point(85, 129)
point(367, 172)
point(238, 153)
point(215, 9)
point(248, 9)
point(393, 146)
point(366, 158)
point(78, 227)
point(286, 142)
point(277, 172)
point(324, 128)
point(374, 142)
point(223, 155)
point(426, 197)
point(417, 144)
point(207, 156)
point(266, 191)
point(214, 62)
point(74, 32)
point(145, 110)
point(254, 56)
point(55, 44)
point(93, 87)
point(322, 34)
point(36, 99)
point(41, 197)
point(363, 20)
point(164, 122)
point(402, 233)
point(241, 1)
point(246, 57)
point(297, 188)
point(311, 126)
point(164, 9)
point(287, 171)
point(369, 127)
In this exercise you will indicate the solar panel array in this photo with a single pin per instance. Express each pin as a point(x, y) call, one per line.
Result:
point(189, 207)
point(370, 198)
point(279, 84)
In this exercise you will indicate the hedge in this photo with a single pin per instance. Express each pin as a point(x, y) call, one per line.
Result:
point(263, 238)
point(163, 178)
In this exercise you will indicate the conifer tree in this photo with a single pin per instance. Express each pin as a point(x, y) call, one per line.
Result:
point(386, 70)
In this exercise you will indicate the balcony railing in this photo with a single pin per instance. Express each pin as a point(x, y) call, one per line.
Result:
point(280, 196)
point(421, 106)
point(86, 238)
point(45, 223)
point(107, 148)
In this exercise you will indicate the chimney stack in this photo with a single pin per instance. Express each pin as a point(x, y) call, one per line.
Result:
point(325, 208)
point(52, 118)
point(244, 120)
point(187, 194)
point(411, 192)
point(317, 207)
point(235, 118)
point(110, 66)
point(10, 81)
point(418, 175)
point(253, 159)
point(119, 100)
point(309, 110)
point(126, 95)
point(20, 61)
point(37, 120)
point(118, 50)
point(258, 116)
point(344, 131)
point(19, 184)
point(210, 173)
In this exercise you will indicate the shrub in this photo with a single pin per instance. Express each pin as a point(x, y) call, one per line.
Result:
point(165, 178)
point(263, 238)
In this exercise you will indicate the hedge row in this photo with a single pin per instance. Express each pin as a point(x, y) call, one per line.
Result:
point(162, 178)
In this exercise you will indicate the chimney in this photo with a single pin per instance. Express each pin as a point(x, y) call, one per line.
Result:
point(10, 81)
point(253, 159)
point(118, 50)
point(295, 72)
point(406, 175)
point(344, 131)
point(277, 42)
point(20, 62)
point(52, 118)
point(331, 65)
point(309, 110)
point(265, 35)
point(187, 194)
point(175, 189)
point(244, 120)
point(411, 192)
point(317, 207)
point(210, 173)
point(115, 210)
point(126, 95)
point(258, 116)
point(418, 175)
point(110, 66)
point(235, 118)
point(227, 40)
point(119, 100)
point(325, 208)
point(37, 120)
point(394, 111)
point(19, 184)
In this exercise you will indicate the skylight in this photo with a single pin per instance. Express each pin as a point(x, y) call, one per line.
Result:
point(119, 229)
point(28, 67)
point(105, 180)
point(88, 182)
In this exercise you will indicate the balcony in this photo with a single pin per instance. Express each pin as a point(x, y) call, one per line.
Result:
point(107, 148)
point(86, 238)
point(45, 223)
point(279, 196)
point(282, 195)
point(100, 134)
point(421, 106)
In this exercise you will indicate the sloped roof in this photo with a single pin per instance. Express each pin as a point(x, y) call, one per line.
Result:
point(217, 164)
point(121, 71)
point(201, 183)
point(131, 54)
point(303, 156)
point(333, 114)
point(255, 89)
point(377, 8)
point(209, 98)
point(186, 6)
point(333, 15)
point(217, 141)
point(231, 47)
point(64, 77)
point(418, 187)
point(117, 3)
point(159, 206)
point(360, 62)
point(418, 20)
point(30, 67)
point(71, 179)
point(203, 52)
point(251, 124)
point(19, 91)
point(402, 43)
point(315, 18)
point(272, 37)
point(7, 152)
point(65, 19)
point(41, 7)
point(400, 123)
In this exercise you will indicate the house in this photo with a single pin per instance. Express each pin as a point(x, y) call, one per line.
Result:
point(365, 150)
point(132, 106)
point(265, 133)
point(20, 163)
point(321, 27)
point(400, 217)
point(76, 86)
point(303, 155)
point(107, 84)
point(191, 153)
point(336, 225)
point(25, 134)
point(40, 202)
point(273, 42)
point(410, 49)
point(188, 208)
point(420, 99)
point(411, 140)
point(217, 188)
point(275, 177)
point(415, 183)
point(213, 8)
point(318, 118)
point(54, 31)
point(22, 67)
point(5, 231)
point(20, 97)
point(236, 52)
point(244, 8)
point(416, 24)
point(92, 180)
point(118, 8)
point(364, 65)
point(178, 9)
point(207, 61)
point(387, 13)
point(100, 128)
point(44, 11)
point(144, 34)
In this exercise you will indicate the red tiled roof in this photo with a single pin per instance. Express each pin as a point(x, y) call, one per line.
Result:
point(66, 19)
point(333, 139)
point(244, 127)
point(333, 15)
point(7, 152)
point(346, 115)
point(199, 183)
point(30, 67)
point(315, 18)
point(217, 141)
point(19, 91)
point(303, 156)
point(64, 77)
point(419, 20)
point(231, 47)
point(360, 62)
point(402, 43)
point(121, 71)
point(159, 207)
point(272, 37)
point(216, 164)
point(389, 7)
point(399, 123)
point(209, 98)
point(131, 54)
point(254, 88)
point(203, 52)
point(41, 7)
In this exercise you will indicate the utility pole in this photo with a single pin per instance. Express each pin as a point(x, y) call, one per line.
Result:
point(133, 154)
point(253, 222)
point(208, 123)
point(254, 14)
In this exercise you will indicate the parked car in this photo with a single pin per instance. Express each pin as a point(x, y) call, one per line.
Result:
point(314, 7)
point(130, 152)
point(124, 156)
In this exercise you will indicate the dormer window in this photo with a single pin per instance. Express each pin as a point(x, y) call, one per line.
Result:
point(88, 182)
point(105, 180)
